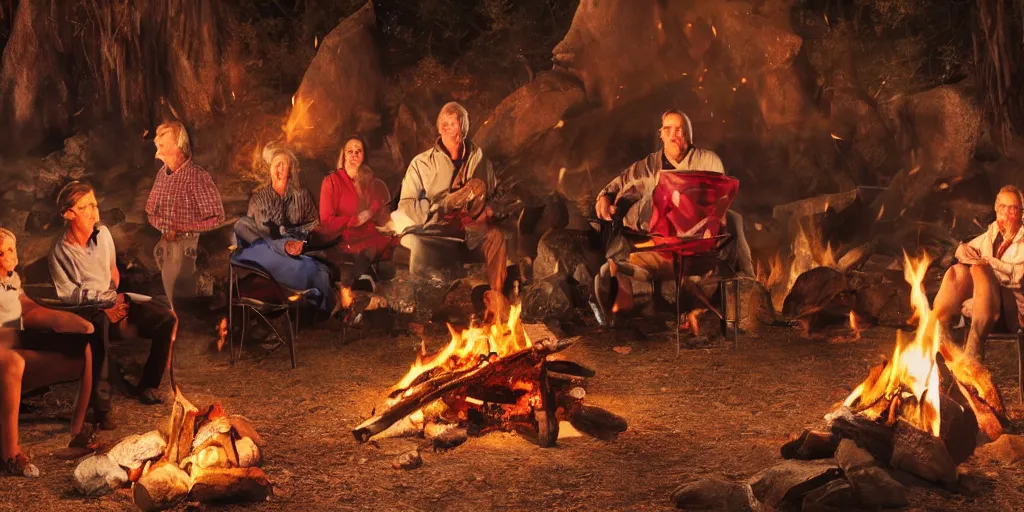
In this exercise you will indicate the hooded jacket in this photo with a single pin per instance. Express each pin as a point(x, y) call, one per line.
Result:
point(430, 177)
point(637, 183)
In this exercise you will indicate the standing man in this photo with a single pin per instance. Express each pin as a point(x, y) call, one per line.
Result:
point(446, 190)
point(183, 203)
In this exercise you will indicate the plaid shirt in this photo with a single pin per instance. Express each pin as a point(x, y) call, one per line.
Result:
point(185, 201)
point(295, 211)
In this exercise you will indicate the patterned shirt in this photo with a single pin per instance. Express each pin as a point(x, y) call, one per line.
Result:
point(296, 211)
point(10, 301)
point(82, 275)
point(185, 201)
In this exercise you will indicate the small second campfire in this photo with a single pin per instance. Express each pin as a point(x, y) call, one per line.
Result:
point(490, 378)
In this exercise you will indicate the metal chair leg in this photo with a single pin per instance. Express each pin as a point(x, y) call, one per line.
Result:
point(1020, 362)
point(241, 337)
point(231, 315)
point(723, 288)
point(292, 328)
point(736, 314)
point(677, 264)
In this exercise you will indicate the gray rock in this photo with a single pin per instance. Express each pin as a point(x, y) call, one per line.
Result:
point(344, 83)
point(99, 474)
point(920, 454)
point(408, 460)
point(135, 449)
point(712, 494)
point(550, 297)
point(528, 112)
point(789, 481)
point(835, 495)
point(874, 487)
point(851, 457)
point(810, 445)
point(1008, 449)
point(450, 438)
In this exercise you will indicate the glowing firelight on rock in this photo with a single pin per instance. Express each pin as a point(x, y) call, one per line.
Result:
point(910, 381)
point(853, 325)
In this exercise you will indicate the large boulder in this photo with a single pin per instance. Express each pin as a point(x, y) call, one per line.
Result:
point(341, 90)
point(534, 108)
point(940, 129)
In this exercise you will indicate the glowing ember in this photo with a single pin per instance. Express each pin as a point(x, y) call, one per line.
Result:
point(836, 137)
point(910, 380)
point(222, 333)
point(853, 325)
point(470, 348)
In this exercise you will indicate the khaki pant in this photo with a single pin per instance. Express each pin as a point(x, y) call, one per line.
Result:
point(177, 262)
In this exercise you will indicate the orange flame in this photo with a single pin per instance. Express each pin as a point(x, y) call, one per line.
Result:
point(853, 325)
point(911, 378)
point(300, 118)
point(347, 298)
point(470, 348)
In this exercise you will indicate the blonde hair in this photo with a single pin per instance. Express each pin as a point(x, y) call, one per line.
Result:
point(271, 151)
point(453, 107)
point(6, 233)
point(180, 134)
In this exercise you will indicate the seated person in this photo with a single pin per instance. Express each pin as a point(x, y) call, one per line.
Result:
point(446, 190)
point(55, 348)
point(640, 185)
point(273, 234)
point(989, 270)
point(84, 271)
point(353, 205)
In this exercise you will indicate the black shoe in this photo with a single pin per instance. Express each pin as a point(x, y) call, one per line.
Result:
point(150, 396)
point(104, 420)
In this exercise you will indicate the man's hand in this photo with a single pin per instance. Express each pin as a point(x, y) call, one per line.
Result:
point(293, 247)
point(118, 311)
point(364, 216)
point(605, 208)
point(968, 255)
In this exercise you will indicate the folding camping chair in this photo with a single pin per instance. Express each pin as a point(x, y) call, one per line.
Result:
point(701, 204)
point(254, 290)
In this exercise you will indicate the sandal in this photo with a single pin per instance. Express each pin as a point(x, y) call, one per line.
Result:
point(19, 465)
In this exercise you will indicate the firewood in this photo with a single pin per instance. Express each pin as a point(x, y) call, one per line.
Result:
point(181, 429)
point(870, 435)
point(248, 453)
point(243, 426)
point(235, 484)
point(597, 422)
point(162, 487)
point(414, 398)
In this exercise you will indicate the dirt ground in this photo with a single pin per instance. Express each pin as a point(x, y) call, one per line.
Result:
point(723, 410)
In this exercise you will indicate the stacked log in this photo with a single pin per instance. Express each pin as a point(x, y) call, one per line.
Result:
point(208, 456)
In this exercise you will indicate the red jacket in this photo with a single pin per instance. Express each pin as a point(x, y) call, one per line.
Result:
point(340, 204)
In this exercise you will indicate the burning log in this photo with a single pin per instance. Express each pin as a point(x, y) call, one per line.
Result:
point(492, 378)
point(422, 394)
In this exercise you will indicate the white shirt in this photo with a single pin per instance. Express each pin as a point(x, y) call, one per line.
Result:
point(10, 301)
point(82, 275)
point(1010, 267)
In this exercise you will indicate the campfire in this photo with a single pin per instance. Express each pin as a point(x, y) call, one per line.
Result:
point(923, 411)
point(487, 378)
point(203, 456)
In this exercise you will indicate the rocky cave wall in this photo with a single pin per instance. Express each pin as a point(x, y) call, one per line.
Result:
point(782, 96)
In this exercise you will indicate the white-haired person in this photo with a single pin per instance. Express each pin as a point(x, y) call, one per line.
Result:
point(987, 276)
point(183, 203)
point(274, 233)
point(446, 190)
point(38, 347)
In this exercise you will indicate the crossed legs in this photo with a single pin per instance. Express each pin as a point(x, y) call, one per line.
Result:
point(960, 283)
